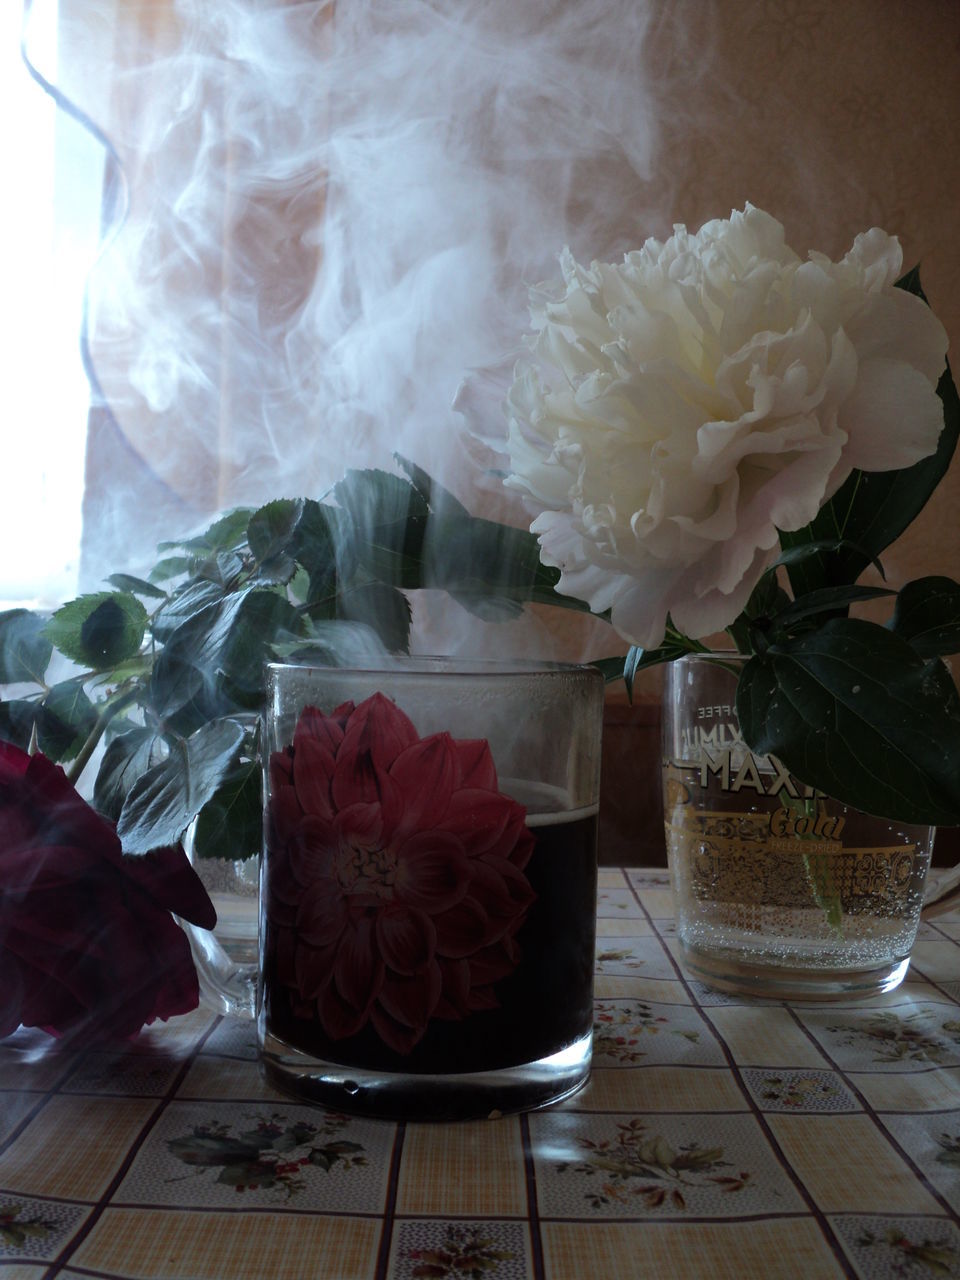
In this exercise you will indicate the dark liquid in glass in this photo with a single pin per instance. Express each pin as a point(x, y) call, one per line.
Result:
point(545, 1004)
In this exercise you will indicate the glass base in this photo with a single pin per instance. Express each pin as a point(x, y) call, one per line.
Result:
point(387, 1095)
point(737, 976)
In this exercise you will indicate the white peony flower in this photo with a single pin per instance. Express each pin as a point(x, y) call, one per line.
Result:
point(684, 406)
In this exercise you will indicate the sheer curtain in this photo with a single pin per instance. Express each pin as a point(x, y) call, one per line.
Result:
point(313, 218)
point(49, 224)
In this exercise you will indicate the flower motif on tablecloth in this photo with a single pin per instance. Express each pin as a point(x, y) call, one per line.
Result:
point(396, 889)
point(637, 1165)
point(896, 1038)
point(912, 1249)
point(17, 1228)
point(467, 1251)
point(270, 1154)
point(619, 1028)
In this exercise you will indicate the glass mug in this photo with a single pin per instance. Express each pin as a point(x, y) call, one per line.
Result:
point(428, 885)
point(779, 890)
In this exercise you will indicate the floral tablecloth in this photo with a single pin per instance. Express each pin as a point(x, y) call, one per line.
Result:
point(718, 1137)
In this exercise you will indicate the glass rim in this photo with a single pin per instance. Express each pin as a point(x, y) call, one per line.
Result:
point(713, 655)
point(418, 665)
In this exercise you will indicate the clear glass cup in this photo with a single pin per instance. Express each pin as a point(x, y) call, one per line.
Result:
point(779, 890)
point(428, 887)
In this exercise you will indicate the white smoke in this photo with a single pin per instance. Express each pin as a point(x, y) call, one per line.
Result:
point(333, 211)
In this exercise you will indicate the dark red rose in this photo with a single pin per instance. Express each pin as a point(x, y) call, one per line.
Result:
point(88, 947)
point(395, 887)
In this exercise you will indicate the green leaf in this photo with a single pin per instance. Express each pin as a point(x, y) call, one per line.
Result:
point(17, 718)
point(136, 586)
point(163, 801)
point(171, 567)
point(799, 552)
point(854, 711)
point(383, 608)
point(610, 668)
point(927, 613)
point(331, 643)
point(825, 600)
point(487, 567)
point(675, 645)
point(434, 495)
point(127, 757)
point(263, 617)
point(230, 823)
point(272, 534)
point(225, 533)
point(66, 719)
point(25, 648)
point(185, 603)
point(99, 630)
point(317, 536)
point(387, 522)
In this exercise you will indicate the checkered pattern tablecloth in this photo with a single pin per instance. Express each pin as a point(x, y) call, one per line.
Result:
point(718, 1137)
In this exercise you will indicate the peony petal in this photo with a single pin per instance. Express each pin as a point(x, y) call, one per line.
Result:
point(432, 872)
point(893, 418)
point(406, 939)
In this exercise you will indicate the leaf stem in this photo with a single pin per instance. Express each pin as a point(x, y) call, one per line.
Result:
point(96, 733)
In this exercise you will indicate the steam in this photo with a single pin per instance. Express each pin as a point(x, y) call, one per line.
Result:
point(331, 212)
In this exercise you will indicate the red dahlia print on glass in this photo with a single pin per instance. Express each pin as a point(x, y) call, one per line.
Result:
point(396, 888)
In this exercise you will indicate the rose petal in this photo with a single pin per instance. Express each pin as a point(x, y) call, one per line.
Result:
point(411, 1001)
point(454, 998)
point(358, 970)
point(312, 969)
point(322, 914)
point(338, 1018)
point(312, 853)
point(479, 818)
point(394, 1034)
point(476, 764)
point(427, 774)
point(464, 928)
point(313, 769)
point(314, 725)
point(168, 880)
point(379, 727)
point(406, 939)
point(432, 872)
